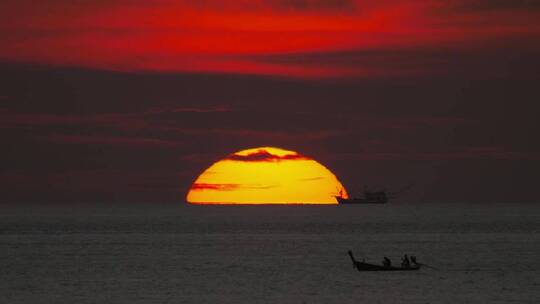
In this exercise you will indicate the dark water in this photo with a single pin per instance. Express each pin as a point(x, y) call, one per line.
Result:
point(268, 254)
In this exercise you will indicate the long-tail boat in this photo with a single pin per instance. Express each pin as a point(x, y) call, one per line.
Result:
point(363, 266)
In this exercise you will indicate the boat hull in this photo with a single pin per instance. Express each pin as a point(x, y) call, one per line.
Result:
point(359, 201)
point(371, 267)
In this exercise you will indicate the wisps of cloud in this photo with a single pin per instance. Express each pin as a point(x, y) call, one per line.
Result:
point(171, 128)
point(278, 5)
point(126, 120)
point(227, 187)
point(265, 156)
point(472, 153)
point(231, 37)
point(202, 110)
point(111, 141)
point(314, 5)
point(497, 5)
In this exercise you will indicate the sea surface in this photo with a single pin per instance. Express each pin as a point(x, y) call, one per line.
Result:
point(144, 253)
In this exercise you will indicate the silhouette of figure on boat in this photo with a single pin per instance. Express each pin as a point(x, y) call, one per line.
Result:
point(386, 262)
point(413, 260)
point(405, 263)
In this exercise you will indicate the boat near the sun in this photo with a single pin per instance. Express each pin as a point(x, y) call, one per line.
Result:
point(363, 266)
point(371, 197)
point(377, 197)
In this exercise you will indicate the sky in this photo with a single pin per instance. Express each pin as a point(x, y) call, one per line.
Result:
point(129, 101)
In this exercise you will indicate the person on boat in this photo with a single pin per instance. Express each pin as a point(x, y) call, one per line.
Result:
point(413, 260)
point(386, 262)
point(405, 262)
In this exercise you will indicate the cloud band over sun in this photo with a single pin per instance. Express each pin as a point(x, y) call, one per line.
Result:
point(263, 155)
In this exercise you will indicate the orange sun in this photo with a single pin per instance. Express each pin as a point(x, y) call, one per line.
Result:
point(266, 175)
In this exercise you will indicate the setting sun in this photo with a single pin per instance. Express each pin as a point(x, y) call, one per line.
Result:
point(266, 175)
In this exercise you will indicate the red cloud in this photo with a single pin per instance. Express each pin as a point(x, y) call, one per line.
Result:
point(220, 36)
point(265, 156)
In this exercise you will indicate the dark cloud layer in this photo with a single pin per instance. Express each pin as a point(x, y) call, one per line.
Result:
point(82, 135)
point(264, 156)
point(519, 58)
point(498, 5)
point(314, 4)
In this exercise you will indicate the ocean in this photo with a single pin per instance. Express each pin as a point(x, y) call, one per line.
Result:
point(158, 253)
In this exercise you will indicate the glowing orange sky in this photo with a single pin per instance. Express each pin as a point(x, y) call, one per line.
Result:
point(266, 175)
point(236, 36)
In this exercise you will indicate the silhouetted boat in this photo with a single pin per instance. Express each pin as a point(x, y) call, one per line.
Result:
point(378, 197)
point(371, 197)
point(363, 266)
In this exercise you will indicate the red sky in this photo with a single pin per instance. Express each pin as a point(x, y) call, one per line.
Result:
point(261, 37)
point(130, 100)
